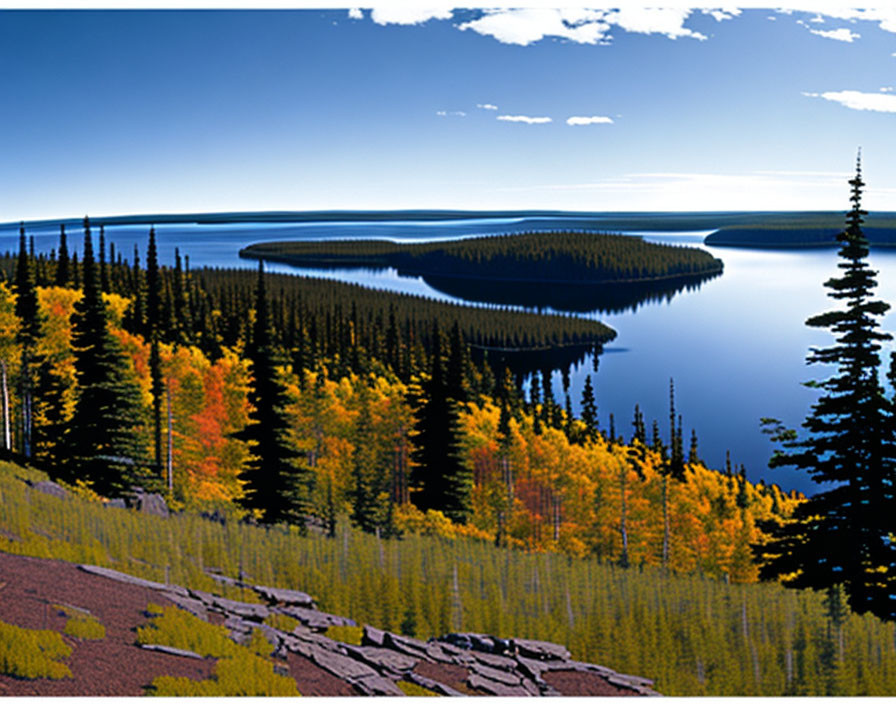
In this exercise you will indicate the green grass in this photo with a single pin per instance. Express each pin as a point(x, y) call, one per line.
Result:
point(32, 654)
point(692, 634)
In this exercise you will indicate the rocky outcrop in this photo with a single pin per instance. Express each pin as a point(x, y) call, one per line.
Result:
point(457, 664)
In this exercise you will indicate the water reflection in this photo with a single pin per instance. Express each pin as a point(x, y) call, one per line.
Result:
point(568, 298)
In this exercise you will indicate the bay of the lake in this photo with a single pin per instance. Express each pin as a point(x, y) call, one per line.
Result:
point(735, 346)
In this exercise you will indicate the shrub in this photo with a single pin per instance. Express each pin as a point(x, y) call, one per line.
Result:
point(81, 624)
point(32, 654)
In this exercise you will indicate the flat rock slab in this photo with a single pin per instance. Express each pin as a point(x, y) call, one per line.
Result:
point(373, 636)
point(290, 597)
point(193, 606)
point(404, 644)
point(377, 686)
point(382, 658)
point(540, 649)
point(496, 689)
point(312, 618)
point(500, 662)
point(502, 676)
point(257, 612)
point(51, 489)
point(171, 651)
point(130, 579)
point(342, 666)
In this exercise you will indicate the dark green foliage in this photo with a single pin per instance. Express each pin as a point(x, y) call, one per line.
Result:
point(277, 479)
point(104, 445)
point(842, 535)
point(439, 481)
point(563, 257)
point(589, 410)
point(62, 260)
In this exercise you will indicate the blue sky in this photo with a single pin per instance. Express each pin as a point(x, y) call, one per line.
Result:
point(113, 112)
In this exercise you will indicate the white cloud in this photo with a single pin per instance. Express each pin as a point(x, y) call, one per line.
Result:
point(355, 14)
point(594, 120)
point(886, 89)
point(406, 13)
point(451, 113)
point(525, 118)
point(722, 14)
point(524, 27)
point(841, 35)
point(856, 100)
point(486, 106)
point(642, 20)
point(883, 15)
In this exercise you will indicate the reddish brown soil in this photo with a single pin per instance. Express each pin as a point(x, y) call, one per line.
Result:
point(571, 683)
point(454, 676)
point(315, 681)
point(113, 666)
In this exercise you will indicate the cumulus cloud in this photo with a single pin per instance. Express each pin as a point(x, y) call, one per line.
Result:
point(668, 21)
point(526, 26)
point(451, 113)
point(355, 14)
point(486, 106)
point(857, 100)
point(841, 35)
point(406, 13)
point(593, 120)
point(525, 118)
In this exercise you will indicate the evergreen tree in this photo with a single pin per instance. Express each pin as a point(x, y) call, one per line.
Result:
point(103, 443)
point(843, 535)
point(589, 410)
point(440, 480)
point(62, 259)
point(277, 483)
point(104, 269)
point(153, 333)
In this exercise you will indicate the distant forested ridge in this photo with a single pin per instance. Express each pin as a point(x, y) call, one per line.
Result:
point(567, 257)
point(802, 230)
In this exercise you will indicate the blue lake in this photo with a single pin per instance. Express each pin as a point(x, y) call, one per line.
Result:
point(735, 346)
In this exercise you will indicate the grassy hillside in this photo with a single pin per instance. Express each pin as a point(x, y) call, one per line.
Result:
point(694, 635)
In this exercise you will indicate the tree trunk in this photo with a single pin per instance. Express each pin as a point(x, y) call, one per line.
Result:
point(7, 437)
point(170, 463)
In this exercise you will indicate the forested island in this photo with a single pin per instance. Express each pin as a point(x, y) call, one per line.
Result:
point(801, 230)
point(539, 257)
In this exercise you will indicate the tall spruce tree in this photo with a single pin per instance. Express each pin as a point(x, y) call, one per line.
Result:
point(153, 332)
point(62, 259)
point(103, 443)
point(589, 410)
point(440, 480)
point(842, 536)
point(277, 480)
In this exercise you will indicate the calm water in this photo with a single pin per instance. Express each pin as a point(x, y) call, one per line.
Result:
point(736, 346)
